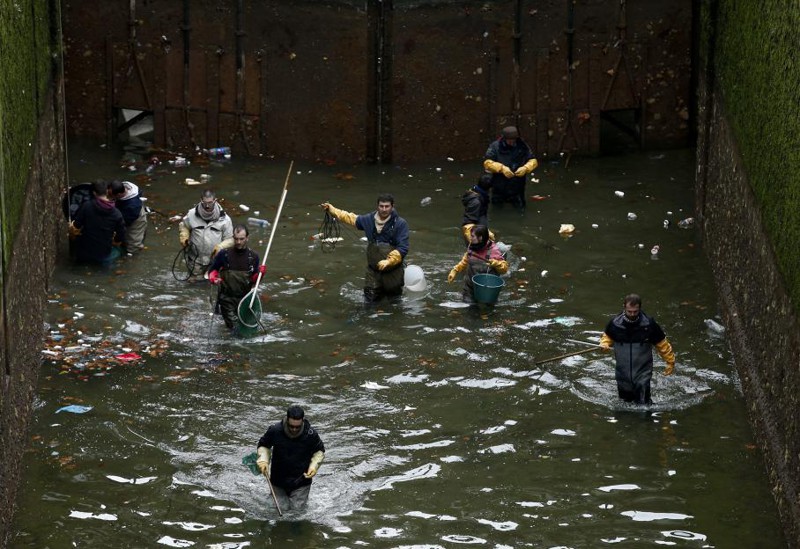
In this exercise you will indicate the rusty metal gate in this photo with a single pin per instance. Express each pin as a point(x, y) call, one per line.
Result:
point(382, 81)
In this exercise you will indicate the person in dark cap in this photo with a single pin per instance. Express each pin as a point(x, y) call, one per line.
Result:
point(289, 454)
point(98, 228)
point(509, 159)
point(476, 206)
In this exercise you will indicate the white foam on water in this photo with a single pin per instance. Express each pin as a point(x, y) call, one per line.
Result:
point(98, 516)
point(414, 433)
point(493, 383)
point(683, 534)
point(506, 526)
point(387, 532)
point(173, 542)
point(425, 445)
point(429, 470)
point(467, 540)
point(563, 432)
point(499, 449)
point(647, 516)
point(373, 385)
point(451, 459)
point(123, 480)
point(530, 503)
point(616, 487)
point(407, 378)
point(190, 526)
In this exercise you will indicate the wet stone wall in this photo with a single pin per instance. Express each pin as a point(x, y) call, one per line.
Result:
point(25, 283)
point(759, 315)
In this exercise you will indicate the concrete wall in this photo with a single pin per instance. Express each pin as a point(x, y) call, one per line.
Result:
point(759, 307)
point(26, 276)
point(383, 81)
point(31, 183)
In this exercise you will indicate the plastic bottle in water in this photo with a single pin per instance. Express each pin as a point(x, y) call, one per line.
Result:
point(686, 223)
point(219, 151)
point(258, 222)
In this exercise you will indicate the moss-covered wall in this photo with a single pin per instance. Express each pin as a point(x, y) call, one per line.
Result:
point(748, 204)
point(758, 72)
point(26, 67)
point(32, 178)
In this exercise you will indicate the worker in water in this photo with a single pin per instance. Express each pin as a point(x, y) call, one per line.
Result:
point(98, 229)
point(632, 335)
point(482, 256)
point(204, 230)
point(290, 453)
point(510, 160)
point(387, 238)
point(476, 206)
point(235, 270)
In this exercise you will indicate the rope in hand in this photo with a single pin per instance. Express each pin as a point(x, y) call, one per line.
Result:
point(329, 232)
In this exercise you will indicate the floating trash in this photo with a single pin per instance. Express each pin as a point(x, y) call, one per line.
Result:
point(75, 409)
point(631, 216)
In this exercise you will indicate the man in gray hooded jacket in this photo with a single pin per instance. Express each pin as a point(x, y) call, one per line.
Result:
point(205, 229)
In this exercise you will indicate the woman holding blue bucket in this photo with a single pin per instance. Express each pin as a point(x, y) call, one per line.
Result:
point(482, 258)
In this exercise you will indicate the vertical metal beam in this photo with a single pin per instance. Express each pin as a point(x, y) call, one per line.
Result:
point(240, 89)
point(111, 125)
point(515, 76)
point(186, 30)
point(379, 140)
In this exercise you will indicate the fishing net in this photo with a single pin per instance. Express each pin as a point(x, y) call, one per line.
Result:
point(249, 313)
point(186, 264)
point(249, 461)
point(329, 233)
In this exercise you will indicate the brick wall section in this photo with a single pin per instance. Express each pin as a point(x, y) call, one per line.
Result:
point(40, 238)
point(761, 323)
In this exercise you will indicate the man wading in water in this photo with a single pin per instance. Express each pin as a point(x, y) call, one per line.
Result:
point(632, 335)
point(387, 234)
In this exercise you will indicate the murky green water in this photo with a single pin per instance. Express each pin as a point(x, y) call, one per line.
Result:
point(440, 429)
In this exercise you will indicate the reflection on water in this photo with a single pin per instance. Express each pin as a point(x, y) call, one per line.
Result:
point(441, 428)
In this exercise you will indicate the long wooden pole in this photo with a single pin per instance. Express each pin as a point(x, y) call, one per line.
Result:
point(272, 232)
point(584, 351)
point(274, 497)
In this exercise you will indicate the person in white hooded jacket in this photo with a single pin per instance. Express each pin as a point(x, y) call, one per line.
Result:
point(206, 228)
point(130, 203)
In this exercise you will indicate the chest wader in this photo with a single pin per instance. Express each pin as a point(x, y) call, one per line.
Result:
point(634, 371)
point(235, 284)
point(475, 266)
point(381, 283)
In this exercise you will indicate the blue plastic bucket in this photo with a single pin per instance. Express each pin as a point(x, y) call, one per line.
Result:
point(486, 287)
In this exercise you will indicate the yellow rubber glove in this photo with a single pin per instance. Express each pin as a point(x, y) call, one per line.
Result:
point(526, 168)
point(492, 166)
point(452, 276)
point(73, 230)
point(665, 350)
point(499, 265)
point(183, 234)
point(506, 171)
point(394, 258)
point(263, 460)
point(316, 461)
point(606, 343)
point(341, 215)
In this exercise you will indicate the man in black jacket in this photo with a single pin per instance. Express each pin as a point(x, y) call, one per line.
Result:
point(476, 207)
point(632, 335)
point(510, 159)
point(98, 229)
point(289, 454)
